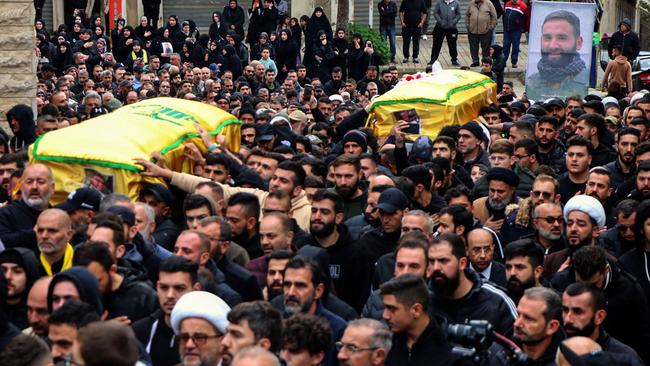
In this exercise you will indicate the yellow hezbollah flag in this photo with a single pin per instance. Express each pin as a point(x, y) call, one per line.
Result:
point(100, 152)
point(430, 102)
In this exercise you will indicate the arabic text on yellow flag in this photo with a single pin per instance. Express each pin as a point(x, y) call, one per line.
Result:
point(100, 151)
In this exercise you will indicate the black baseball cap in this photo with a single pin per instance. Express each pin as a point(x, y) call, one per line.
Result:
point(162, 193)
point(88, 198)
point(392, 200)
point(125, 213)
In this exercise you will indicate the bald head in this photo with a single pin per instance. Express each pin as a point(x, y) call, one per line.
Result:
point(255, 356)
point(37, 306)
point(53, 231)
point(480, 249)
point(379, 180)
point(578, 345)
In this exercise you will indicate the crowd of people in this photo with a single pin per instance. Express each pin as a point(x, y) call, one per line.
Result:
point(319, 242)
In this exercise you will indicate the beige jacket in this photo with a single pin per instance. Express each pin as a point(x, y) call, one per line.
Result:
point(480, 18)
point(300, 205)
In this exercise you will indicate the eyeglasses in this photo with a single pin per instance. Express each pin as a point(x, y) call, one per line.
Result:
point(197, 338)
point(551, 219)
point(351, 348)
point(519, 157)
point(545, 195)
point(623, 228)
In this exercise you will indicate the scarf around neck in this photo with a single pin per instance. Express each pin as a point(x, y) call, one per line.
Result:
point(67, 260)
point(552, 73)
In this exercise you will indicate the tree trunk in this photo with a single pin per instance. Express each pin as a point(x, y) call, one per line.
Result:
point(343, 13)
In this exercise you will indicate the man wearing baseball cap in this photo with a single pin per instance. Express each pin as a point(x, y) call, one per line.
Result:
point(199, 319)
point(161, 200)
point(392, 205)
point(470, 137)
point(81, 206)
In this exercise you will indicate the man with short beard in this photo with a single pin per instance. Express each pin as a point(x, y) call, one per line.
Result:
point(551, 150)
point(584, 217)
point(584, 309)
point(537, 328)
point(347, 174)
point(20, 269)
point(524, 268)
point(304, 287)
point(369, 218)
point(347, 262)
point(9, 163)
point(502, 186)
point(623, 168)
point(549, 227)
point(53, 231)
point(459, 293)
point(17, 220)
point(600, 187)
point(470, 137)
point(81, 205)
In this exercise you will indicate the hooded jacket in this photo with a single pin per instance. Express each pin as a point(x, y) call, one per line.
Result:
point(7, 330)
point(158, 339)
point(134, 298)
point(618, 69)
point(26, 134)
point(86, 285)
point(26, 259)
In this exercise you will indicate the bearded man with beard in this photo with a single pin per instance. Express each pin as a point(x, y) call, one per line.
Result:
point(347, 176)
point(584, 310)
point(370, 218)
point(537, 328)
point(17, 219)
point(584, 217)
point(623, 168)
point(459, 293)
point(502, 186)
point(550, 150)
point(599, 186)
point(81, 205)
point(549, 228)
point(561, 68)
point(348, 264)
point(524, 268)
point(303, 286)
point(53, 231)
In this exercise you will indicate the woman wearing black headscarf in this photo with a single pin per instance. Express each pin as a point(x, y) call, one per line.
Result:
point(340, 46)
point(287, 53)
point(62, 57)
point(234, 16)
point(218, 28)
point(354, 51)
point(324, 56)
point(231, 62)
point(317, 23)
point(200, 51)
point(125, 44)
point(144, 31)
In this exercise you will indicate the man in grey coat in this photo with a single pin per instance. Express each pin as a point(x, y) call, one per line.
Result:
point(447, 14)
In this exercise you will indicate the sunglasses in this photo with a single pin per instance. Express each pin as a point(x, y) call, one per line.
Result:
point(551, 219)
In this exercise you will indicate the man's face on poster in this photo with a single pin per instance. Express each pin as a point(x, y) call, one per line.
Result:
point(559, 43)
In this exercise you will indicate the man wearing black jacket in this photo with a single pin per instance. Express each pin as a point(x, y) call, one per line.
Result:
point(237, 277)
point(418, 338)
point(125, 294)
point(17, 219)
point(387, 13)
point(347, 263)
point(177, 277)
point(584, 309)
point(459, 293)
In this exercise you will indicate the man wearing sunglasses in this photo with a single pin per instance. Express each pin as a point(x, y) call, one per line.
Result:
point(520, 221)
point(199, 320)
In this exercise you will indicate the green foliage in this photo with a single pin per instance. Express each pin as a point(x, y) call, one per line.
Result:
point(380, 45)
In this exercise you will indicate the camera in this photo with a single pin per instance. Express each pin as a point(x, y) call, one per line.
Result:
point(473, 341)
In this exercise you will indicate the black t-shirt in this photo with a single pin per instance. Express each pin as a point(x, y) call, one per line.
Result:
point(413, 10)
point(568, 188)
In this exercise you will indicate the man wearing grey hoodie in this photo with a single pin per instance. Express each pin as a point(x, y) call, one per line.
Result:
point(447, 14)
